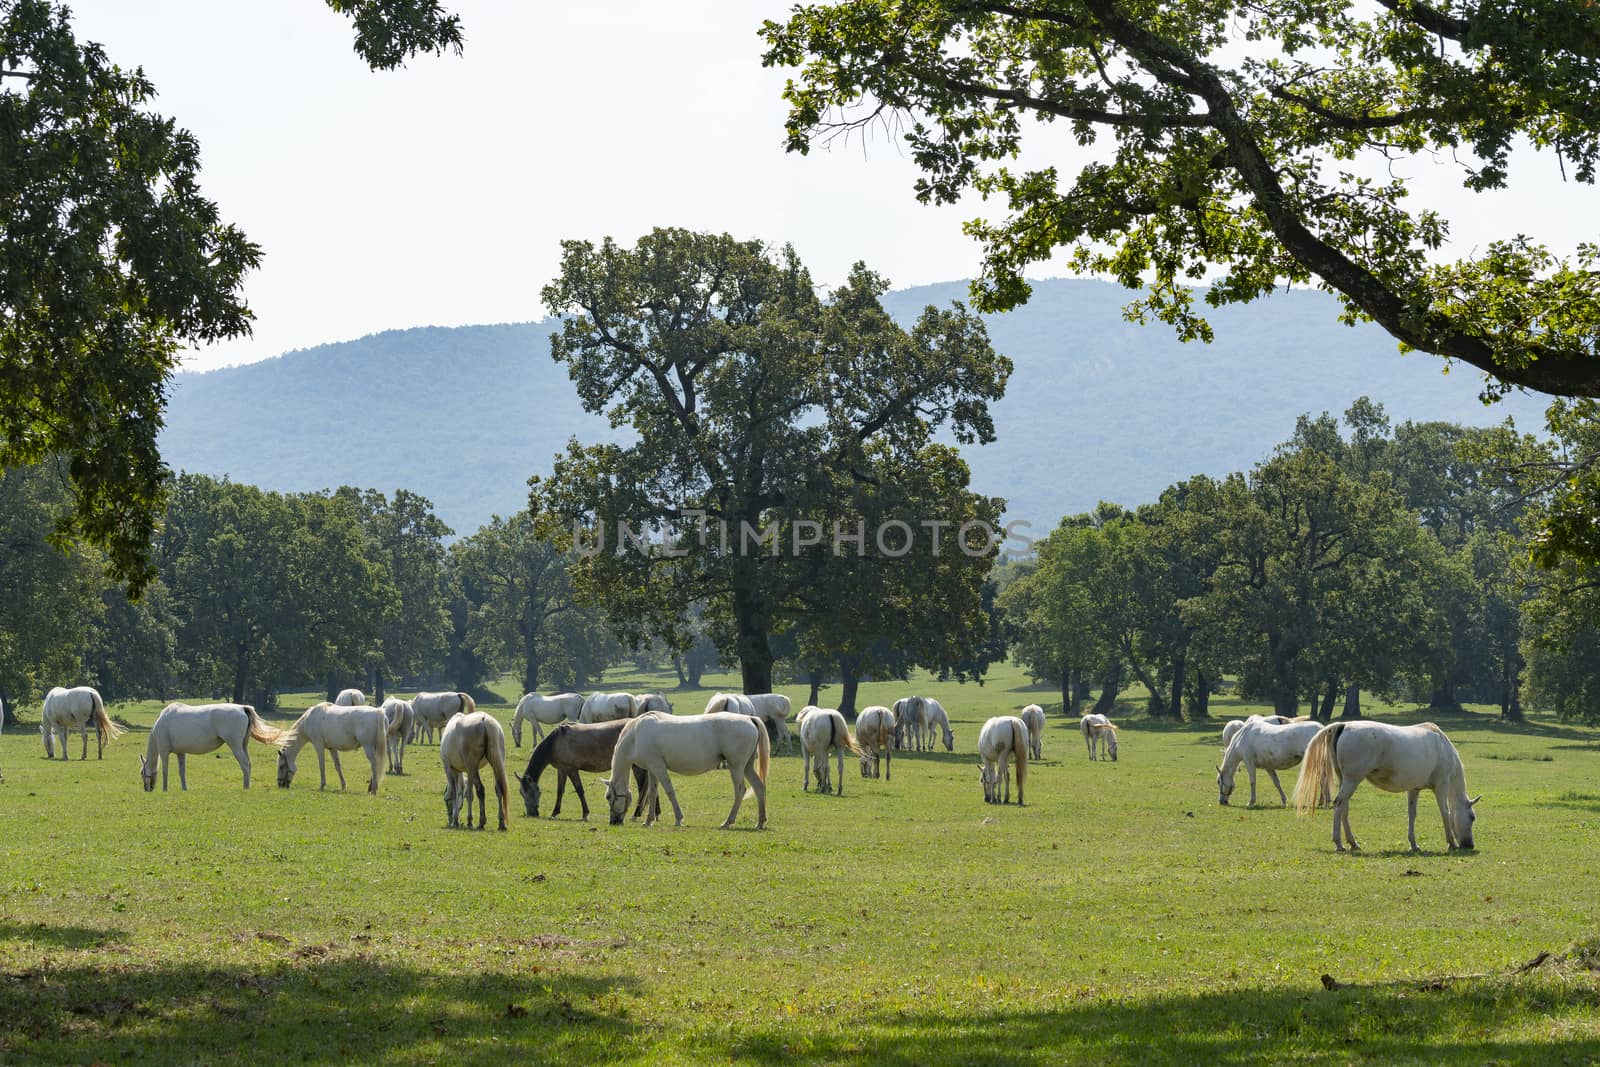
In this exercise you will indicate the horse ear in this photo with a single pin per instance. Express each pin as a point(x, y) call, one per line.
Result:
point(1473, 802)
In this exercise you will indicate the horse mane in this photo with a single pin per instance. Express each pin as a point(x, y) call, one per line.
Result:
point(539, 758)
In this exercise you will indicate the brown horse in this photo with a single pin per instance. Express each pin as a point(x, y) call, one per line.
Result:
point(574, 747)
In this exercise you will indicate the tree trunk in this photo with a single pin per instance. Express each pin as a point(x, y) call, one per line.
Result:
point(1444, 698)
point(377, 685)
point(697, 667)
point(816, 687)
point(1179, 664)
point(1158, 706)
point(1082, 689)
point(1109, 688)
point(1352, 703)
point(677, 667)
point(332, 685)
point(241, 674)
point(850, 682)
point(530, 665)
point(1067, 707)
point(1286, 702)
point(8, 709)
point(1200, 706)
point(1511, 699)
point(1329, 696)
point(751, 625)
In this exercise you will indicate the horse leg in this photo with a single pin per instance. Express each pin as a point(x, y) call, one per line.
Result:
point(476, 784)
point(85, 742)
point(1250, 769)
point(805, 769)
point(183, 772)
point(338, 769)
point(561, 791)
point(1411, 819)
point(841, 773)
point(166, 758)
point(1444, 814)
point(322, 766)
point(664, 781)
point(242, 754)
point(1283, 798)
point(1341, 814)
point(375, 758)
point(737, 774)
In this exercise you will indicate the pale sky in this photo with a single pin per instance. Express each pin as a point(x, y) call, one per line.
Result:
point(437, 194)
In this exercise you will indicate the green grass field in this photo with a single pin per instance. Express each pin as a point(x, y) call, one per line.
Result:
point(1123, 916)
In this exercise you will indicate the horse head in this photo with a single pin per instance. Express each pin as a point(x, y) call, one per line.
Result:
point(991, 782)
point(949, 739)
point(1224, 785)
point(147, 771)
point(529, 785)
point(1462, 816)
point(285, 769)
point(617, 799)
point(866, 764)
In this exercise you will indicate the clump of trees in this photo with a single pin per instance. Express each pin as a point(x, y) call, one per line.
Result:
point(1366, 556)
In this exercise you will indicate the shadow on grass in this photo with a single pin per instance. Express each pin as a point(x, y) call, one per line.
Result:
point(1574, 802)
point(76, 937)
point(308, 1010)
point(1447, 1021)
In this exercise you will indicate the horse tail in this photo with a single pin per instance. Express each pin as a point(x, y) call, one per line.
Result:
point(1019, 749)
point(497, 760)
point(1316, 769)
point(108, 730)
point(468, 705)
point(258, 729)
point(763, 751)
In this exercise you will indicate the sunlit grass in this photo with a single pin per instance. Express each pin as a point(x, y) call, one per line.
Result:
point(1123, 916)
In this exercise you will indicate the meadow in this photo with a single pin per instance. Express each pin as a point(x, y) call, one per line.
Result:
point(1122, 916)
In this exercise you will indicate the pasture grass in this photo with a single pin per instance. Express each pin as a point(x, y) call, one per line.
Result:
point(1123, 916)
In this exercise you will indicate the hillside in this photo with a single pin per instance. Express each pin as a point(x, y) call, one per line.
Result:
point(1098, 409)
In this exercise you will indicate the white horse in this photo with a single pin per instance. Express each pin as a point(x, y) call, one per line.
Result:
point(469, 741)
point(774, 709)
point(1233, 726)
point(194, 731)
point(1101, 731)
point(608, 707)
point(433, 710)
point(335, 728)
point(1003, 738)
point(350, 698)
point(1399, 759)
point(822, 729)
point(934, 715)
point(910, 716)
point(1273, 747)
point(1033, 715)
point(402, 724)
point(875, 740)
point(550, 711)
point(690, 744)
point(75, 709)
point(656, 701)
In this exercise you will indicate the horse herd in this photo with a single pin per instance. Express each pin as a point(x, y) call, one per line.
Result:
point(642, 743)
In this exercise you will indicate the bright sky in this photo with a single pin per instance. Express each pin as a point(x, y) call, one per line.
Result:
point(437, 195)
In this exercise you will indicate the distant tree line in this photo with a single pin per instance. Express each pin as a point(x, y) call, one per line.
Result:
point(1392, 559)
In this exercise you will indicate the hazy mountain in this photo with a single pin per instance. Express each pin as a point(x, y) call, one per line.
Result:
point(1098, 408)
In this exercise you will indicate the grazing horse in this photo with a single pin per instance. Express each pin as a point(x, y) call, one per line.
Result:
point(934, 715)
point(75, 709)
point(690, 744)
point(351, 698)
point(875, 740)
point(1003, 738)
point(402, 725)
point(433, 710)
point(1399, 759)
point(551, 711)
point(607, 707)
point(822, 729)
point(470, 740)
point(656, 701)
point(1101, 731)
point(1269, 746)
point(774, 709)
point(1235, 725)
point(194, 731)
point(1033, 715)
point(332, 727)
point(570, 748)
point(769, 709)
point(910, 717)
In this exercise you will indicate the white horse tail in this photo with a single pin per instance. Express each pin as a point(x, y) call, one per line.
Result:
point(259, 730)
point(1316, 769)
point(1019, 750)
point(468, 705)
point(763, 753)
point(497, 759)
point(102, 722)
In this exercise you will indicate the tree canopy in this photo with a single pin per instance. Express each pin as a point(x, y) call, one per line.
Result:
point(1245, 136)
point(112, 260)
